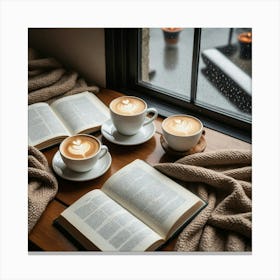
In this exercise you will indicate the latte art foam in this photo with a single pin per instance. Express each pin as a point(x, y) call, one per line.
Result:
point(128, 106)
point(182, 125)
point(80, 147)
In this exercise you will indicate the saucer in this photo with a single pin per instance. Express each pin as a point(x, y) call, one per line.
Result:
point(98, 169)
point(109, 131)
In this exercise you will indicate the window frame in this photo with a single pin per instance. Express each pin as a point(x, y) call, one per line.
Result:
point(121, 50)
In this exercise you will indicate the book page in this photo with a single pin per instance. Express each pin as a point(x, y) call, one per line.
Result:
point(150, 195)
point(43, 124)
point(109, 226)
point(81, 112)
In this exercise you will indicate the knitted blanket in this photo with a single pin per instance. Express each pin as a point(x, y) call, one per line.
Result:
point(223, 179)
point(48, 80)
point(42, 185)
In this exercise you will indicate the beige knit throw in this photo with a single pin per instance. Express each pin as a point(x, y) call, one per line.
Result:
point(42, 185)
point(48, 80)
point(223, 179)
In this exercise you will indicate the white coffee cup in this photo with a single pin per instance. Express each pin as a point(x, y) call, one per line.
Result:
point(128, 114)
point(181, 132)
point(81, 152)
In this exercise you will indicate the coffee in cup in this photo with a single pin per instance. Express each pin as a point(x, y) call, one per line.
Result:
point(80, 152)
point(182, 132)
point(128, 106)
point(80, 146)
point(128, 114)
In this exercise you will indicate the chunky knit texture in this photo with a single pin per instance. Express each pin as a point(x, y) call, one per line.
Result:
point(223, 179)
point(42, 185)
point(48, 80)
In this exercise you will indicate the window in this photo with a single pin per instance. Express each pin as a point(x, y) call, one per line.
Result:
point(204, 72)
point(224, 72)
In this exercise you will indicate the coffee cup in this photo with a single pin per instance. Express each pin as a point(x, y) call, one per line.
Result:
point(181, 132)
point(81, 152)
point(129, 114)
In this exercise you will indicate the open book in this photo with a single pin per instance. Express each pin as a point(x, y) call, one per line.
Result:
point(137, 209)
point(50, 124)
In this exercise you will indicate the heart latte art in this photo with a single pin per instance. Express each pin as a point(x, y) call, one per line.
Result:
point(80, 147)
point(181, 125)
point(128, 105)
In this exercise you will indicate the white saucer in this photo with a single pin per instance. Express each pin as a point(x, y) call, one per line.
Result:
point(98, 169)
point(109, 131)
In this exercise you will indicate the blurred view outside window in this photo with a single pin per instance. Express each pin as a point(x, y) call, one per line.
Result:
point(224, 69)
point(165, 65)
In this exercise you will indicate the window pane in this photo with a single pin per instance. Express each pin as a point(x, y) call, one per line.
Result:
point(224, 76)
point(166, 63)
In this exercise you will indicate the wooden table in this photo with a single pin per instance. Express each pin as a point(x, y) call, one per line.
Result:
point(46, 237)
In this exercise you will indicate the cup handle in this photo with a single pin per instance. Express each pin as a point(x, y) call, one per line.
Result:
point(103, 151)
point(155, 114)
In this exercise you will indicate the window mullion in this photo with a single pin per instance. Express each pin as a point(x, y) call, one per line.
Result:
point(195, 63)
